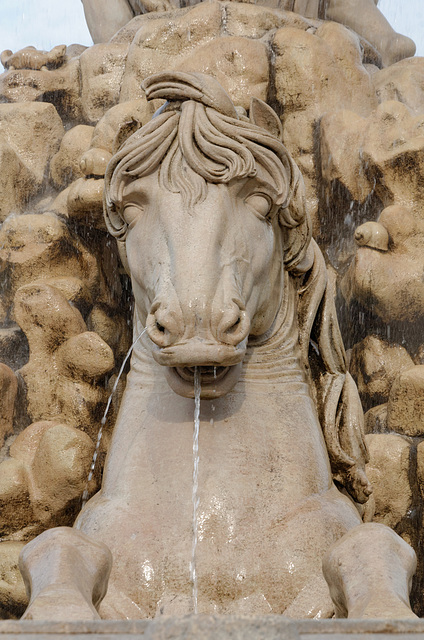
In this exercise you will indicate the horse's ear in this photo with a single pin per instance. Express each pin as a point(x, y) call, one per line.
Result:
point(263, 116)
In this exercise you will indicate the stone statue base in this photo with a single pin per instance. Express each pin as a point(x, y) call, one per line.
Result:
point(224, 627)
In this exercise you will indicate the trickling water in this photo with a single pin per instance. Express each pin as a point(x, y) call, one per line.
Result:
point(103, 420)
point(195, 498)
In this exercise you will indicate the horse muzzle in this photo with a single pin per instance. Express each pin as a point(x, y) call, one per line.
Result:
point(219, 366)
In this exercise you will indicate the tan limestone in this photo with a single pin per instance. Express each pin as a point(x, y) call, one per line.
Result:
point(405, 411)
point(403, 82)
point(101, 67)
point(375, 419)
point(388, 471)
point(41, 484)
point(14, 597)
point(32, 133)
point(65, 164)
point(390, 282)
point(8, 389)
point(36, 247)
point(374, 365)
point(163, 43)
point(65, 360)
point(60, 86)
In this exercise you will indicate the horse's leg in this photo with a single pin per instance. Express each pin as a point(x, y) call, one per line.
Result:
point(369, 572)
point(66, 575)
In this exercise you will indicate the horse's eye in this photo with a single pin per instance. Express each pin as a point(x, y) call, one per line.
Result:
point(261, 203)
point(132, 213)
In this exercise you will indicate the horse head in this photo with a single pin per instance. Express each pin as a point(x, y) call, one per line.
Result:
point(208, 209)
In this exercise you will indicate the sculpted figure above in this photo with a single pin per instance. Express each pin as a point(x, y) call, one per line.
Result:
point(208, 210)
point(362, 16)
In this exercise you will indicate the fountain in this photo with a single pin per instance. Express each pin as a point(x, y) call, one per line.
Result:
point(244, 531)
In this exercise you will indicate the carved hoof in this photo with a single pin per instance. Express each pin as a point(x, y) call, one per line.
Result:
point(50, 605)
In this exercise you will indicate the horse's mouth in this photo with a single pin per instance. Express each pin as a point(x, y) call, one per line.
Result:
point(215, 381)
point(207, 375)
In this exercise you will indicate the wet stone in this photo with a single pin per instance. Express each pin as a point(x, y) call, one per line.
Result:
point(14, 350)
point(405, 411)
point(376, 419)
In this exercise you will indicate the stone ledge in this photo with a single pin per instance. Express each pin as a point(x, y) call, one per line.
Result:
point(216, 628)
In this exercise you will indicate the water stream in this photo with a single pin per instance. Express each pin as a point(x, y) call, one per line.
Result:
point(103, 420)
point(195, 498)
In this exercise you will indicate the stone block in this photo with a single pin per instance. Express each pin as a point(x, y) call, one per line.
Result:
point(34, 130)
point(405, 411)
point(8, 390)
point(388, 472)
point(191, 41)
point(17, 183)
point(403, 82)
point(13, 597)
point(14, 350)
point(65, 164)
point(60, 87)
point(37, 247)
point(375, 419)
point(389, 282)
point(374, 365)
point(102, 68)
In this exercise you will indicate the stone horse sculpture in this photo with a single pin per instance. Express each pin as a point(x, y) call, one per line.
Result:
point(208, 210)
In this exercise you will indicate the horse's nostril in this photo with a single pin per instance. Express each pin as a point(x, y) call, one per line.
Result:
point(234, 327)
point(159, 327)
point(162, 328)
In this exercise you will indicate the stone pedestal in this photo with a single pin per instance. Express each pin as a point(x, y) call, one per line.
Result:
point(216, 627)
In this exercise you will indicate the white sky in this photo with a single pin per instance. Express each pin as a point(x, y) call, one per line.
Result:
point(46, 23)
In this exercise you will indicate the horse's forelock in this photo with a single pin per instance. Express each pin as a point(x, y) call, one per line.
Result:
point(196, 145)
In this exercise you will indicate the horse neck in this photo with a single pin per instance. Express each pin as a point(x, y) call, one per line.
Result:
point(276, 356)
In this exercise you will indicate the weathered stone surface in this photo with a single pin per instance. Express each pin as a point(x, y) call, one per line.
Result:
point(388, 471)
point(13, 598)
point(8, 390)
point(405, 411)
point(374, 365)
point(403, 82)
point(420, 467)
point(30, 134)
point(80, 358)
point(102, 67)
point(163, 44)
point(34, 131)
point(65, 164)
point(65, 360)
point(16, 181)
point(375, 419)
point(255, 21)
point(369, 570)
point(114, 330)
point(41, 247)
point(228, 627)
point(59, 86)
point(13, 347)
point(56, 558)
point(44, 478)
point(390, 283)
point(15, 501)
point(312, 78)
point(129, 115)
point(380, 152)
point(32, 58)
point(85, 202)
